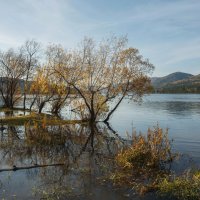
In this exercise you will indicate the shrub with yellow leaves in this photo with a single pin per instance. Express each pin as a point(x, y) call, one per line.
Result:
point(143, 163)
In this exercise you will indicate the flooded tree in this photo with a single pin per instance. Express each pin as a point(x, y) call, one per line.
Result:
point(42, 89)
point(30, 51)
point(12, 71)
point(56, 57)
point(95, 77)
point(104, 74)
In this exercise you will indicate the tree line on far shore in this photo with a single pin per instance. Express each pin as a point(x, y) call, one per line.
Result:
point(93, 78)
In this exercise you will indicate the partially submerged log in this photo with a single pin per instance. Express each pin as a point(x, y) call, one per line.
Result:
point(15, 168)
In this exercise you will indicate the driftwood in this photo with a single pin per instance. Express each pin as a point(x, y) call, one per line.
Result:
point(14, 168)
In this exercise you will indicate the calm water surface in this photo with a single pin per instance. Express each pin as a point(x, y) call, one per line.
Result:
point(87, 156)
point(180, 113)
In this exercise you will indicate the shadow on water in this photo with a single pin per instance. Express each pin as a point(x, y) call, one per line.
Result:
point(86, 154)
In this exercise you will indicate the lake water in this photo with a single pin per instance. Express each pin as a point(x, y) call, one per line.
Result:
point(86, 156)
point(180, 113)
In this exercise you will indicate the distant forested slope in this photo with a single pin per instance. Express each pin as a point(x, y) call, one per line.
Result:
point(177, 82)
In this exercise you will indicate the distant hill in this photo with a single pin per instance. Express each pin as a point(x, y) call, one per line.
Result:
point(21, 82)
point(159, 82)
point(177, 82)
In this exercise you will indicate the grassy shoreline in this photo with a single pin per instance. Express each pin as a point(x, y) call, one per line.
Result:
point(33, 116)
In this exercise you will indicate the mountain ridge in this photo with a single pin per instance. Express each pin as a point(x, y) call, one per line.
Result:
point(177, 82)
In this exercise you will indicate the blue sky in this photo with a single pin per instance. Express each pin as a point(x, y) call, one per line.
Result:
point(165, 31)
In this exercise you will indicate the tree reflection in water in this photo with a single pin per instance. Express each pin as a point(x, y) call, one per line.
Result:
point(86, 151)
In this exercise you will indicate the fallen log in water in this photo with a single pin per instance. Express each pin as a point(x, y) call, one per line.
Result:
point(15, 168)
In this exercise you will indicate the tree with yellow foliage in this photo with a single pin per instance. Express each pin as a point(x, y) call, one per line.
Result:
point(56, 57)
point(104, 74)
point(42, 89)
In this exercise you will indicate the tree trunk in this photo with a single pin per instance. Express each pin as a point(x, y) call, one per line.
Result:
point(92, 117)
point(113, 110)
point(56, 110)
point(32, 103)
point(41, 107)
point(24, 102)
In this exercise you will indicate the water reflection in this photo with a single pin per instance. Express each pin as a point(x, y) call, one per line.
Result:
point(10, 113)
point(85, 152)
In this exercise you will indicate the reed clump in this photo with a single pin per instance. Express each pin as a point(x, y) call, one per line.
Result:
point(142, 165)
point(183, 187)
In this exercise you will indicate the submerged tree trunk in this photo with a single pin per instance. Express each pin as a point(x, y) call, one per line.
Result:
point(32, 103)
point(92, 118)
point(14, 168)
point(41, 107)
point(56, 109)
point(24, 102)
